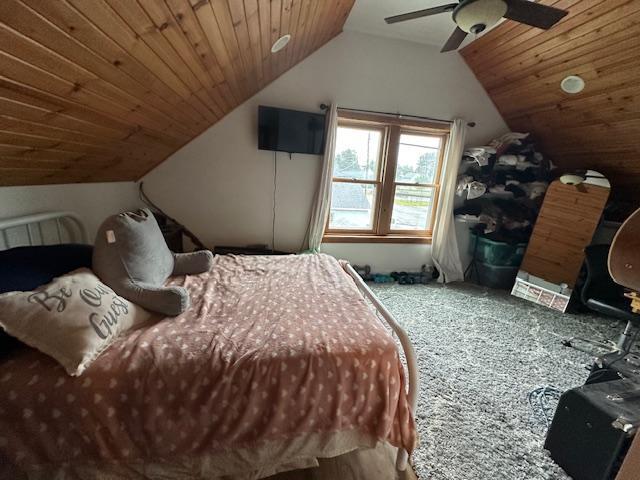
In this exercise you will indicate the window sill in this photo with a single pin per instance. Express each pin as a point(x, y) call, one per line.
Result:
point(364, 238)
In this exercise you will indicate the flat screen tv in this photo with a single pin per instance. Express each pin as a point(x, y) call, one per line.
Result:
point(290, 131)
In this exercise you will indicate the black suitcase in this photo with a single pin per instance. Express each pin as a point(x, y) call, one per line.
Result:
point(593, 427)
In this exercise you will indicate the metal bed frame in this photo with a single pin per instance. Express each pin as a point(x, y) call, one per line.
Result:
point(30, 224)
point(62, 220)
point(407, 347)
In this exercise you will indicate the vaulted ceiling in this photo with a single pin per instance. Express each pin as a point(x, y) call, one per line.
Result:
point(521, 68)
point(105, 90)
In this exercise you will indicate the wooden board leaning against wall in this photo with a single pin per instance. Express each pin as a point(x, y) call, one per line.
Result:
point(566, 224)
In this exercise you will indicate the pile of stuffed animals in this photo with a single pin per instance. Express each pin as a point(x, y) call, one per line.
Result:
point(503, 185)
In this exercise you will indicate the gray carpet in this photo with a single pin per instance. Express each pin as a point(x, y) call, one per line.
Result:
point(480, 353)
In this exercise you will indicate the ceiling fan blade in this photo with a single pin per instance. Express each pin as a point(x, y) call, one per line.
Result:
point(455, 40)
point(421, 13)
point(534, 14)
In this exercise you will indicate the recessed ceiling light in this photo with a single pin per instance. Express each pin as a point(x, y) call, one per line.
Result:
point(572, 84)
point(280, 43)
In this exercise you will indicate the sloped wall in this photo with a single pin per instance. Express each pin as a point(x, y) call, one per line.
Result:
point(521, 69)
point(105, 90)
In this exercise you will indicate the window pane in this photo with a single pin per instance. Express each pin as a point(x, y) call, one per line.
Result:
point(357, 153)
point(417, 158)
point(352, 206)
point(412, 207)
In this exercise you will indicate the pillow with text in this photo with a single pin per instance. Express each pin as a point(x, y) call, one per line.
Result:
point(72, 319)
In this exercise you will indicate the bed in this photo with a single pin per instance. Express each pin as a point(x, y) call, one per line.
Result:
point(281, 360)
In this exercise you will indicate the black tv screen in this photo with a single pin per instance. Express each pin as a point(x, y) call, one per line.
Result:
point(290, 131)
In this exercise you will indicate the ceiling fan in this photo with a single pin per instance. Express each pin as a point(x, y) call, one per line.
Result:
point(475, 16)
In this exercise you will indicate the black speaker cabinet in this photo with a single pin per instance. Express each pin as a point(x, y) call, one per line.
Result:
point(593, 427)
point(614, 366)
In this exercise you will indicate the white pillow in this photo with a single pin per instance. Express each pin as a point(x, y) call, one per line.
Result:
point(72, 319)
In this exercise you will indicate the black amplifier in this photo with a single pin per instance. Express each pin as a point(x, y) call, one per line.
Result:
point(614, 366)
point(593, 427)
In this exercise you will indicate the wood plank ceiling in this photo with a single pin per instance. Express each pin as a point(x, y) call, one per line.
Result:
point(521, 68)
point(105, 90)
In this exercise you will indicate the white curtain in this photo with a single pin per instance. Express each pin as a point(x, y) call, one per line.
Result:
point(444, 246)
point(320, 211)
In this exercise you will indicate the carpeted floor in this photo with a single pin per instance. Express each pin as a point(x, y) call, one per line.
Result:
point(480, 353)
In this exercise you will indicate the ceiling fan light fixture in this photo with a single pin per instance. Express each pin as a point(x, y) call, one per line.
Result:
point(475, 16)
point(280, 43)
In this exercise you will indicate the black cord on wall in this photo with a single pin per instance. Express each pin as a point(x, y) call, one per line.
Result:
point(275, 185)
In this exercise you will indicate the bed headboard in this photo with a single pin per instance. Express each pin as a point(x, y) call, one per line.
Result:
point(48, 228)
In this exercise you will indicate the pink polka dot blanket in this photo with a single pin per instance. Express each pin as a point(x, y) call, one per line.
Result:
point(276, 351)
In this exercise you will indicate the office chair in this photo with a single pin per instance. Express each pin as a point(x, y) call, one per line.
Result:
point(601, 294)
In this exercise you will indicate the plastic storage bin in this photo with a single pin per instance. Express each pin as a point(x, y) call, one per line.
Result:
point(496, 276)
point(495, 253)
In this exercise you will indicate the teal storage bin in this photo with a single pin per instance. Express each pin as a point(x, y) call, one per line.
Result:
point(495, 276)
point(495, 253)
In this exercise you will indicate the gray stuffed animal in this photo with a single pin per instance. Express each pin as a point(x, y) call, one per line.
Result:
point(131, 256)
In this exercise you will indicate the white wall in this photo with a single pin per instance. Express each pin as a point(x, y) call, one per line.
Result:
point(382, 257)
point(220, 185)
point(92, 201)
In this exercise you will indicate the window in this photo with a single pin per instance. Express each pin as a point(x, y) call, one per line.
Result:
point(356, 178)
point(386, 177)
